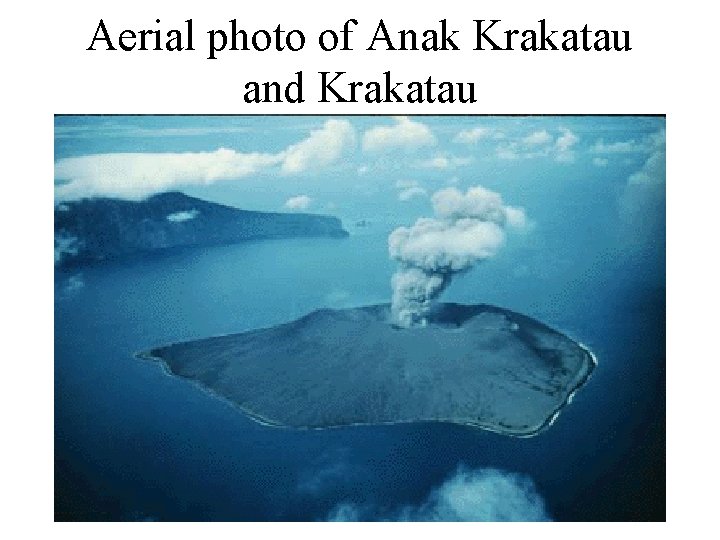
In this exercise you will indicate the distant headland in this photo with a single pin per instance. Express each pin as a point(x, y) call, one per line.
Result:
point(96, 229)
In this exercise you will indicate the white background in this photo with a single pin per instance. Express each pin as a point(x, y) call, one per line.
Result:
point(47, 71)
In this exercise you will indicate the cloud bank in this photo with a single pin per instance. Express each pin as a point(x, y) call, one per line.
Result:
point(137, 175)
point(479, 495)
point(467, 228)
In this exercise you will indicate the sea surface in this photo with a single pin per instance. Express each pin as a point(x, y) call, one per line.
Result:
point(132, 443)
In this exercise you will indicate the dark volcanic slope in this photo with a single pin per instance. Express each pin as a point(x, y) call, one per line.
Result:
point(102, 228)
point(477, 365)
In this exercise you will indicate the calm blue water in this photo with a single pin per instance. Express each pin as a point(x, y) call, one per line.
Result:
point(132, 443)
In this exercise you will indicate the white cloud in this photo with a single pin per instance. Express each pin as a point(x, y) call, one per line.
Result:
point(642, 203)
point(537, 138)
point(473, 135)
point(540, 144)
point(445, 162)
point(600, 162)
point(323, 147)
point(405, 134)
point(137, 175)
point(648, 144)
point(618, 147)
point(185, 215)
point(411, 193)
point(564, 146)
point(516, 217)
point(300, 202)
point(409, 189)
point(482, 495)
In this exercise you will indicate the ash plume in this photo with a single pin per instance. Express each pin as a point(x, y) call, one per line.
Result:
point(467, 228)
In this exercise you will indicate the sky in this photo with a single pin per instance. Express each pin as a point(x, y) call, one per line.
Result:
point(355, 167)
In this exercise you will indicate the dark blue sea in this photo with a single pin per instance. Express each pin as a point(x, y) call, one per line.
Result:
point(132, 443)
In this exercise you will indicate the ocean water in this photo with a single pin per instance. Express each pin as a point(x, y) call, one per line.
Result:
point(132, 443)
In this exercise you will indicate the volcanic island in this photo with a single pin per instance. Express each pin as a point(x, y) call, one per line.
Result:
point(475, 365)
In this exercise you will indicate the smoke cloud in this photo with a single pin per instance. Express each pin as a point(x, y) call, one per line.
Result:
point(467, 228)
point(479, 495)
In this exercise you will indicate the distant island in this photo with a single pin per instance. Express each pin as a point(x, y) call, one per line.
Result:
point(97, 229)
point(476, 365)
